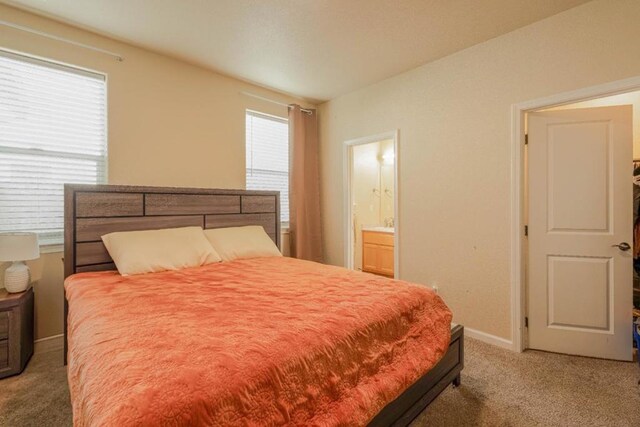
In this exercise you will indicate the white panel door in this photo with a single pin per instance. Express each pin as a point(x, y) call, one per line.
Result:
point(580, 285)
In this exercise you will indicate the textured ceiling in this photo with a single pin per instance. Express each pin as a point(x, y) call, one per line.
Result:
point(316, 49)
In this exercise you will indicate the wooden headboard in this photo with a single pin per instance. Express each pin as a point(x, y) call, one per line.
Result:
point(91, 211)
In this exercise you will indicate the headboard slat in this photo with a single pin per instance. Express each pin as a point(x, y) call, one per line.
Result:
point(258, 204)
point(267, 221)
point(108, 204)
point(95, 267)
point(92, 253)
point(91, 229)
point(184, 204)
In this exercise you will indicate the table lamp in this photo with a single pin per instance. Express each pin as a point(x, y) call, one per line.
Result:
point(18, 247)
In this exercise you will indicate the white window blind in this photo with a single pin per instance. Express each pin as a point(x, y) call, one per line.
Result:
point(52, 132)
point(268, 157)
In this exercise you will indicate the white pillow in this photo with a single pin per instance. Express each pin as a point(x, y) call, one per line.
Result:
point(241, 242)
point(137, 252)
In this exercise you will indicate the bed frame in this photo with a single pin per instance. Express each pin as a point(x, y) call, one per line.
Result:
point(91, 211)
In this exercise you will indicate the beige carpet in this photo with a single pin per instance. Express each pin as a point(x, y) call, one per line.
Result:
point(499, 388)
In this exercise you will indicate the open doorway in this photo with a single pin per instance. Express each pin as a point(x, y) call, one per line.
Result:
point(580, 213)
point(371, 204)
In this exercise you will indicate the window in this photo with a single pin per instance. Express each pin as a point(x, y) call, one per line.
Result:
point(268, 157)
point(52, 132)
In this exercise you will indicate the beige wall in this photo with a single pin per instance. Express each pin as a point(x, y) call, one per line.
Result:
point(170, 123)
point(454, 117)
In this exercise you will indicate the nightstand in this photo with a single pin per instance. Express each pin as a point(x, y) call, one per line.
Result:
point(16, 331)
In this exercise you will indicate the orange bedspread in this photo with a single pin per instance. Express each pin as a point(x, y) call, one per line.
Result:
point(266, 341)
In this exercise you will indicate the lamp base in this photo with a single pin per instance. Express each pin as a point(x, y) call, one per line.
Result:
point(17, 277)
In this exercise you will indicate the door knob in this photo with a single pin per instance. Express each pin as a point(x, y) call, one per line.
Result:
point(624, 246)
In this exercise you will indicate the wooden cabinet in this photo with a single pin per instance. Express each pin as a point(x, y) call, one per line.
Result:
point(377, 253)
point(16, 331)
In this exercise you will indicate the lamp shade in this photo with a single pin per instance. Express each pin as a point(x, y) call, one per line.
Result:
point(19, 246)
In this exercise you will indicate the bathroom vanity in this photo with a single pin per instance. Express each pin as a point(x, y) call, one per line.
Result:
point(378, 251)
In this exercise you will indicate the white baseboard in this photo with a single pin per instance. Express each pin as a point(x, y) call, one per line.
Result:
point(53, 343)
point(488, 338)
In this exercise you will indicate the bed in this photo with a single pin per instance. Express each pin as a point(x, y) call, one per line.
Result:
point(310, 344)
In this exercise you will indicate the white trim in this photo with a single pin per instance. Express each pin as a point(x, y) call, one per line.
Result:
point(261, 115)
point(518, 291)
point(346, 180)
point(287, 105)
point(517, 226)
point(53, 62)
point(53, 343)
point(488, 338)
point(15, 26)
point(50, 249)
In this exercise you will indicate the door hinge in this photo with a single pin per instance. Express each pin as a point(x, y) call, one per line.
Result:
point(526, 230)
point(526, 322)
point(526, 139)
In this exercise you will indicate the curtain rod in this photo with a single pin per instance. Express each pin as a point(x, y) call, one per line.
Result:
point(118, 57)
point(262, 98)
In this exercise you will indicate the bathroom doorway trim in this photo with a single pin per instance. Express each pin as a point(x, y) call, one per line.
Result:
point(347, 175)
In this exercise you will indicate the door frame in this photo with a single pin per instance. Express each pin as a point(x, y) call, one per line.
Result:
point(518, 240)
point(347, 175)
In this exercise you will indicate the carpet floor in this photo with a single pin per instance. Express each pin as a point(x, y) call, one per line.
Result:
point(499, 388)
